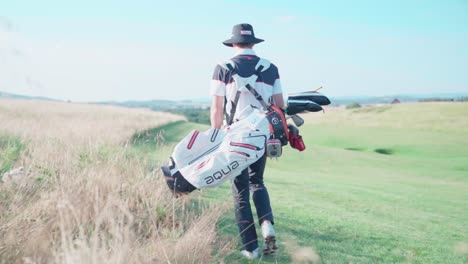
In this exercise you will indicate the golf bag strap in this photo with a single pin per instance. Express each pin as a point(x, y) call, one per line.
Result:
point(257, 96)
point(230, 117)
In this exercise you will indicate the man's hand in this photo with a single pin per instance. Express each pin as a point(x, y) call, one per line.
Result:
point(217, 111)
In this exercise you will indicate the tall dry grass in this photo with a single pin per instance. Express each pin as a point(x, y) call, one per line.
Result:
point(86, 198)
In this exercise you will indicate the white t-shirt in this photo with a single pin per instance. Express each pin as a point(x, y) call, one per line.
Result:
point(267, 85)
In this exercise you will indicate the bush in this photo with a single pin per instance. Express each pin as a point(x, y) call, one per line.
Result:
point(353, 105)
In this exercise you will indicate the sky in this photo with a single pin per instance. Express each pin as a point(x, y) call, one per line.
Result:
point(150, 49)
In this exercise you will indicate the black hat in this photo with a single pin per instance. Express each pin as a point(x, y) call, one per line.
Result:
point(242, 33)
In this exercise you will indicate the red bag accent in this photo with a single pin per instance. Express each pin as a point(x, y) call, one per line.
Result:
point(278, 124)
point(296, 142)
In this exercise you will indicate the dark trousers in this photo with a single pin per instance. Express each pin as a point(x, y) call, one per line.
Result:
point(251, 179)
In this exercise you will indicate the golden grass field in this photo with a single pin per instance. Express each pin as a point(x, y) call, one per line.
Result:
point(84, 197)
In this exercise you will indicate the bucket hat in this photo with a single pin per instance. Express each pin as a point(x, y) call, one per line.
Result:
point(242, 33)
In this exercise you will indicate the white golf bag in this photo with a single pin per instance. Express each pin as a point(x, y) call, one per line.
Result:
point(209, 158)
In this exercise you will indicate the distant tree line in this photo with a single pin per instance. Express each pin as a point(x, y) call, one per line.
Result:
point(195, 112)
point(438, 99)
point(354, 105)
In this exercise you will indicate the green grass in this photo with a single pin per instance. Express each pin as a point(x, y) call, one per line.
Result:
point(10, 149)
point(378, 185)
point(364, 207)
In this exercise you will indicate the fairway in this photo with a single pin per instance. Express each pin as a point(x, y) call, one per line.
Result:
point(380, 184)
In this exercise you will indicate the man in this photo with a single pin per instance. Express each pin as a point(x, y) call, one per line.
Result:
point(224, 90)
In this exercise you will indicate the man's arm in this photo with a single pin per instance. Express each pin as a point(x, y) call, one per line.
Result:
point(278, 100)
point(217, 111)
point(278, 91)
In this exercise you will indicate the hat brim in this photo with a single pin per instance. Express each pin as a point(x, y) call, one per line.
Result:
point(234, 40)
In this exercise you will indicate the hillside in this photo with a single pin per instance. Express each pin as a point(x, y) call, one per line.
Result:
point(378, 184)
point(6, 95)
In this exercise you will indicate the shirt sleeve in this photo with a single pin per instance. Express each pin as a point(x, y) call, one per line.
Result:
point(277, 89)
point(218, 86)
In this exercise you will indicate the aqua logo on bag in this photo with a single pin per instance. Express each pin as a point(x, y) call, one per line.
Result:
point(221, 173)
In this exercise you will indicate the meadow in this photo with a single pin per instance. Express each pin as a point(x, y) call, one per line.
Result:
point(378, 184)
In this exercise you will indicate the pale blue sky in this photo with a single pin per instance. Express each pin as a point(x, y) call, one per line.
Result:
point(120, 50)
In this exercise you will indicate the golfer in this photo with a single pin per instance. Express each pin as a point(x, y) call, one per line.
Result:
point(224, 90)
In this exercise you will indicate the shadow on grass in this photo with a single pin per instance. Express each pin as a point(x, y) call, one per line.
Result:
point(355, 149)
point(384, 151)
